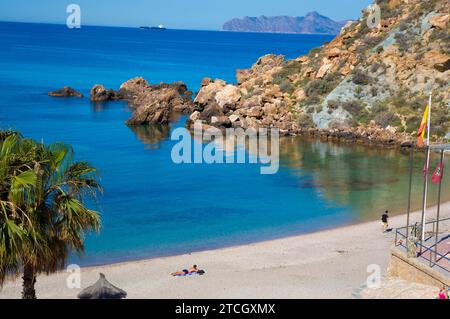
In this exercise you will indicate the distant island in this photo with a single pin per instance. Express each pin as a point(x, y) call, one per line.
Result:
point(312, 23)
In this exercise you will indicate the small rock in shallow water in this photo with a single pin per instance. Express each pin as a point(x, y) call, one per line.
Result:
point(66, 91)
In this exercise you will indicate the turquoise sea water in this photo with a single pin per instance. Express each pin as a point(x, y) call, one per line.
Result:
point(151, 206)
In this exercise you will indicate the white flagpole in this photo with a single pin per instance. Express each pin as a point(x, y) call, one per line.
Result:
point(429, 119)
point(424, 215)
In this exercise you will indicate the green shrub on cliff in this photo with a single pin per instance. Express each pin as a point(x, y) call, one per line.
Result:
point(442, 37)
point(306, 121)
point(388, 119)
point(332, 105)
point(361, 77)
point(286, 86)
point(427, 5)
point(372, 41)
point(387, 9)
point(412, 123)
point(318, 88)
point(399, 101)
point(440, 119)
point(290, 68)
point(405, 40)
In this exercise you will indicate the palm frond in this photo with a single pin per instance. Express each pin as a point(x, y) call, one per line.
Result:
point(42, 212)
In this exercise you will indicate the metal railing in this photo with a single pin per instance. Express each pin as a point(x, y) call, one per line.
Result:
point(423, 248)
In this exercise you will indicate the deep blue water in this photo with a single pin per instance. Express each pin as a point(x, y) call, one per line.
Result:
point(151, 206)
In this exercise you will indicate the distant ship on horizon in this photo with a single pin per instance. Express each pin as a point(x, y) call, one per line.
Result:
point(159, 28)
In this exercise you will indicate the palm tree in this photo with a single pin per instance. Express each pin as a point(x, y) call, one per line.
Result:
point(53, 218)
point(18, 237)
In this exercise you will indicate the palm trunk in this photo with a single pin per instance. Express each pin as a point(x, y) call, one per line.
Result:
point(29, 279)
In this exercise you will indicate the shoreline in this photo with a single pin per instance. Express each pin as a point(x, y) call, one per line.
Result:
point(241, 244)
point(444, 206)
point(356, 222)
point(326, 264)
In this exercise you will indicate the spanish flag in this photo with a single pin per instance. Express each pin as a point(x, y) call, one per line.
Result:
point(423, 127)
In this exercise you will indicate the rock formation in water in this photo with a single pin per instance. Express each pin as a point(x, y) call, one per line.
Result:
point(155, 104)
point(312, 23)
point(100, 94)
point(368, 83)
point(66, 91)
point(152, 104)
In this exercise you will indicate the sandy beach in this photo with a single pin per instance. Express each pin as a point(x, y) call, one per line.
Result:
point(326, 264)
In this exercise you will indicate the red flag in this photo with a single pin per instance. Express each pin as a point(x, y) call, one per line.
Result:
point(437, 175)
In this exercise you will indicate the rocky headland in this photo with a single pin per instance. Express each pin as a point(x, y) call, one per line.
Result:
point(368, 84)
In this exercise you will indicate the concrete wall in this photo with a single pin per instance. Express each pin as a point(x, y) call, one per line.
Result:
point(413, 270)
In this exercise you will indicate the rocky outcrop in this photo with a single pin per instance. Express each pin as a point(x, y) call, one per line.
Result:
point(133, 88)
point(100, 94)
point(248, 105)
point(66, 91)
point(139, 92)
point(365, 80)
point(156, 106)
point(152, 104)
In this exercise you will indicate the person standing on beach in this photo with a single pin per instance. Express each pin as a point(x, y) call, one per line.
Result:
point(385, 221)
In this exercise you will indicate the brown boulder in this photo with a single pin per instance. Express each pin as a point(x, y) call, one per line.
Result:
point(333, 53)
point(324, 69)
point(100, 94)
point(221, 121)
point(440, 21)
point(208, 92)
point(233, 118)
point(243, 75)
point(194, 116)
point(156, 107)
point(269, 109)
point(133, 87)
point(211, 110)
point(268, 61)
point(66, 91)
point(302, 59)
point(206, 81)
point(437, 60)
point(255, 100)
point(229, 95)
point(255, 111)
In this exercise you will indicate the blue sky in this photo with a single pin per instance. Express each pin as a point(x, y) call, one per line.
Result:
point(176, 14)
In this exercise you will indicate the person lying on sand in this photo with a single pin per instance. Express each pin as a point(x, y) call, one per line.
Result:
point(184, 272)
point(193, 270)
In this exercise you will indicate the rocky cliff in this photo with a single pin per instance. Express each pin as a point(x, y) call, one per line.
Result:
point(369, 83)
point(312, 23)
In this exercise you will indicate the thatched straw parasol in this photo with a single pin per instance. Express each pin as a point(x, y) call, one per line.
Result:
point(102, 289)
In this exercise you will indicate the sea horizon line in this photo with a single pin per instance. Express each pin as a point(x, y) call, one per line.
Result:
point(169, 29)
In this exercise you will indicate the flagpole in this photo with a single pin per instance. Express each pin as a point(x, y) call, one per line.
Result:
point(427, 166)
point(438, 208)
point(411, 168)
point(429, 119)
